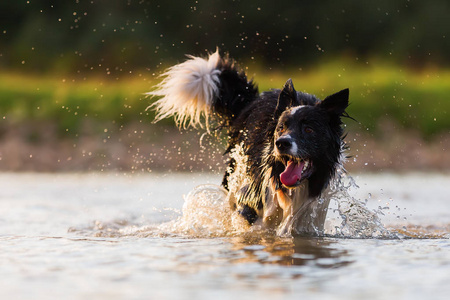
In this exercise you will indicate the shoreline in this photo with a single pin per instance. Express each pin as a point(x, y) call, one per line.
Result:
point(153, 148)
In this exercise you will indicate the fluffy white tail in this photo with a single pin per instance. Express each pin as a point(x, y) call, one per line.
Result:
point(188, 90)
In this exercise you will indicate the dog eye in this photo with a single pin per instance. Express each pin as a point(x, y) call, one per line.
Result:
point(308, 129)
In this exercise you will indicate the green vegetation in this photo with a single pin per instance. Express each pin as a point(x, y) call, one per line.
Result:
point(417, 100)
point(68, 102)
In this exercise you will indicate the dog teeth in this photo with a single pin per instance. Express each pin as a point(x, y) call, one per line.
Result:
point(305, 166)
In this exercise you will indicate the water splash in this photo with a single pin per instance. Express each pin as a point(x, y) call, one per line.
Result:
point(206, 213)
point(357, 220)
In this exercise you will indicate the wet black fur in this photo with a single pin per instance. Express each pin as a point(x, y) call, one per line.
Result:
point(257, 120)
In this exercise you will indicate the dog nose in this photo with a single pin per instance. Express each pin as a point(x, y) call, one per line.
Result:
point(283, 143)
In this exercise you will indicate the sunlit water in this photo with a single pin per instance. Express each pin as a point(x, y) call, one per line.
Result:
point(113, 236)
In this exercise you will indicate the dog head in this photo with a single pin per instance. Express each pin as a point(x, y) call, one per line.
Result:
point(307, 138)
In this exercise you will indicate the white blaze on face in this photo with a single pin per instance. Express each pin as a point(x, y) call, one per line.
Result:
point(296, 108)
point(294, 147)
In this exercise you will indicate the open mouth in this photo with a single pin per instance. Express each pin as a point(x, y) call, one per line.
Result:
point(296, 170)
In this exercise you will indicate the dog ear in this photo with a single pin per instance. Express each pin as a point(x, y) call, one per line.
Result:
point(336, 103)
point(287, 98)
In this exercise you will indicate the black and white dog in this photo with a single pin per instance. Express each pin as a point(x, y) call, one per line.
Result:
point(286, 145)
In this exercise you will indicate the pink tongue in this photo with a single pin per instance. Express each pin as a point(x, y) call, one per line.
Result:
point(292, 173)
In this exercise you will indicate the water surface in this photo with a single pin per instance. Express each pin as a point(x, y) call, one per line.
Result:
point(121, 236)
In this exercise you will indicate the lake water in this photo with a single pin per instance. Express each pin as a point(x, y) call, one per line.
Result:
point(123, 236)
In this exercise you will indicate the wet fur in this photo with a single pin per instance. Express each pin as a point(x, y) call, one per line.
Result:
point(254, 123)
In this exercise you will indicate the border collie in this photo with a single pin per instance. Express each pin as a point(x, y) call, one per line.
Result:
point(286, 145)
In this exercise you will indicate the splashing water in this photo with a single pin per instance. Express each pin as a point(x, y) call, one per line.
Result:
point(357, 220)
point(206, 213)
point(207, 210)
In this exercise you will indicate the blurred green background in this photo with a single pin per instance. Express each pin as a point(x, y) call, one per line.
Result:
point(73, 76)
